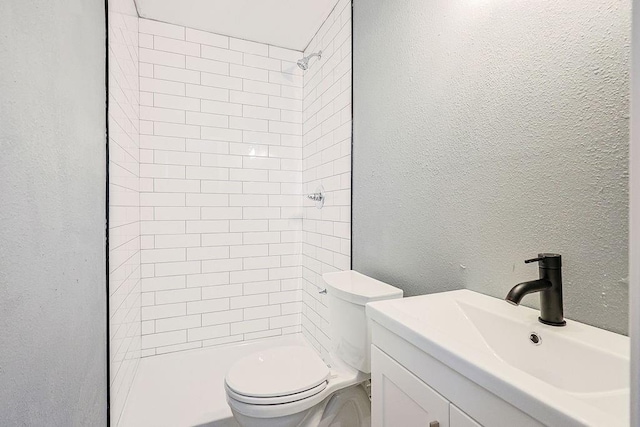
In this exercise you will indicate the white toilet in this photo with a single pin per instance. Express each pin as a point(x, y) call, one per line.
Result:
point(292, 386)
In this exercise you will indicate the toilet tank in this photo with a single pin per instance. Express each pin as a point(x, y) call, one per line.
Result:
point(348, 293)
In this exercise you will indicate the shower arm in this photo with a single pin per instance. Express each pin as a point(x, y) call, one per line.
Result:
point(319, 55)
point(304, 62)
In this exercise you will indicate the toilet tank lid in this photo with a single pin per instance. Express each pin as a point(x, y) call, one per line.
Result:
point(359, 289)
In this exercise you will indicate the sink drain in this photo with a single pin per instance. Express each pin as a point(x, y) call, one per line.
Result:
point(535, 338)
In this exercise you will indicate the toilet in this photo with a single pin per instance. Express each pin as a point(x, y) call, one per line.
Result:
point(291, 386)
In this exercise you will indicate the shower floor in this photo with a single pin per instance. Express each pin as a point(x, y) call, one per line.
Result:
point(187, 388)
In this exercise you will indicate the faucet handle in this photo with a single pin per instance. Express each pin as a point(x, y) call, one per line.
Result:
point(547, 260)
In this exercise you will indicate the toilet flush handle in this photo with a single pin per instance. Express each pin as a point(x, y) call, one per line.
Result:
point(323, 292)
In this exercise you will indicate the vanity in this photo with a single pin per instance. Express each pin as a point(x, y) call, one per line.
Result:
point(464, 359)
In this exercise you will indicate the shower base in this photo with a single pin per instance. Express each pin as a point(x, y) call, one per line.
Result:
point(187, 388)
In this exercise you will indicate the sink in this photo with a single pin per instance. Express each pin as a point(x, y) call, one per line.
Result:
point(578, 372)
point(511, 339)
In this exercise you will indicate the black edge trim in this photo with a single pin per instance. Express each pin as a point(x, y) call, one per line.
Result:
point(106, 81)
point(352, 132)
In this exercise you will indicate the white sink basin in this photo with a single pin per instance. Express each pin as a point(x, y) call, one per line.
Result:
point(574, 375)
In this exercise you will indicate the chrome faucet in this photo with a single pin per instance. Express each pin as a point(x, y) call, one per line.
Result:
point(550, 287)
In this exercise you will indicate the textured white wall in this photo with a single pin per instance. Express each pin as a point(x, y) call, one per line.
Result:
point(487, 131)
point(53, 354)
point(124, 201)
point(327, 162)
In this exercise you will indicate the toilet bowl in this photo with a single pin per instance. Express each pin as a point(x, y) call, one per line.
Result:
point(295, 388)
point(291, 386)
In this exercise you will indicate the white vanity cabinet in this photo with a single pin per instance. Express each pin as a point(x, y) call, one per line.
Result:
point(410, 388)
point(399, 398)
point(464, 359)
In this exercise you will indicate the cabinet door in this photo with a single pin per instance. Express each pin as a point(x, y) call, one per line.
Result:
point(399, 398)
point(460, 419)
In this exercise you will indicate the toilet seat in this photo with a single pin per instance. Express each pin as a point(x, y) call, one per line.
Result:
point(278, 399)
point(340, 376)
point(277, 376)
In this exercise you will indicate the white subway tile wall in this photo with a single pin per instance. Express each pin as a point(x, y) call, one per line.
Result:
point(326, 153)
point(220, 189)
point(124, 202)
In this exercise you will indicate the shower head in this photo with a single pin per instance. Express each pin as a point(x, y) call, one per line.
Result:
point(304, 62)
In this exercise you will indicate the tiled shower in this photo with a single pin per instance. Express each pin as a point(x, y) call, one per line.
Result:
point(221, 193)
point(215, 143)
point(326, 151)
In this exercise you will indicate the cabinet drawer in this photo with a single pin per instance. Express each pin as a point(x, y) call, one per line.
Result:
point(457, 418)
point(399, 398)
